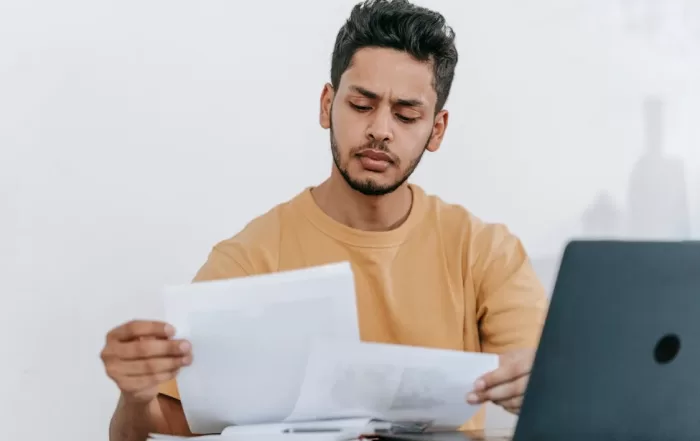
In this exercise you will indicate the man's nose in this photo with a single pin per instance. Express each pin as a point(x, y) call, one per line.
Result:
point(380, 129)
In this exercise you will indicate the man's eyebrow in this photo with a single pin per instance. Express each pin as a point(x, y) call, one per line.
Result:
point(362, 91)
point(409, 103)
point(373, 96)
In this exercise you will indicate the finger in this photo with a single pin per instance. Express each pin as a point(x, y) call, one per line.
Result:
point(136, 384)
point(153, 366)
point(143, 349)
point(501, 392)
point(513, 410)
point(141, 328)
point(512, 405)
point(505, 391)
point(504, 374)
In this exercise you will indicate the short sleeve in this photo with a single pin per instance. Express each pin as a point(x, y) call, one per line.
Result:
point(170, 389)
point(511, 301)
point(225, 261)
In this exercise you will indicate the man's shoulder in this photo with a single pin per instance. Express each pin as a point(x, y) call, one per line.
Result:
point(258, 242)
point(455, 219)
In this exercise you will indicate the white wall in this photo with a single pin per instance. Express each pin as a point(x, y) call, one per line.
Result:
point(134, 135)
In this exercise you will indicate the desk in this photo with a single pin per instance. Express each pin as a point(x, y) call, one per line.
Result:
point(491, 435)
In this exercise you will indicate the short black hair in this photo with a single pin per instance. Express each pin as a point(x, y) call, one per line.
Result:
point(400, 25)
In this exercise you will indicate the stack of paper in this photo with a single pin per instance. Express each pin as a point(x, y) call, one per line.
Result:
point(251, 339)
point(281, 354)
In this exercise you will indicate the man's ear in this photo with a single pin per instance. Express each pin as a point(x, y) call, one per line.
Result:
point(327, 96)
point(439, 127)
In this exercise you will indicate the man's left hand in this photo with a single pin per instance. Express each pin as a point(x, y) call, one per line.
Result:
point(506, 385)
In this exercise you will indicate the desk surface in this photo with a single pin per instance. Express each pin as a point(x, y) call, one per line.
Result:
point(492, 435)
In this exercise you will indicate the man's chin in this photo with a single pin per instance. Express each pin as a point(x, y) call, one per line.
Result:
point(369, 183)
point(371, 187)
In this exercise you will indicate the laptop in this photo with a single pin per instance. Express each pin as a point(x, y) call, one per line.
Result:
point(619, 355)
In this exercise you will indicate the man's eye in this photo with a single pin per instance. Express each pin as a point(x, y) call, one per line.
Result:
point(405, 118)
point(360, 108)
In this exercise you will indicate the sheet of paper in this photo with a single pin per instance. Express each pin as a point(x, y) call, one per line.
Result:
point(390, 382)
point(251, 339)
point(159, 437)
point(358, 426)
point(340, 436)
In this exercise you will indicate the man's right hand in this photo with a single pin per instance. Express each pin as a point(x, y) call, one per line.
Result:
point(140, 355)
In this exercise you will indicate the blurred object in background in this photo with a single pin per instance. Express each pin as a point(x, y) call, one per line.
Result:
point(657, 193)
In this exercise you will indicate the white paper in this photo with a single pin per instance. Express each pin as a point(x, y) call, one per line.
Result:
point(391, 383)
point(251, 339)
point(340, 436)
point(358, 426)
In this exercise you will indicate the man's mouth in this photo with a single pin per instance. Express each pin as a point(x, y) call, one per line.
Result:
point(375, 155)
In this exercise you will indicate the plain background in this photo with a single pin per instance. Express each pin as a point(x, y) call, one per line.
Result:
point(136, 134)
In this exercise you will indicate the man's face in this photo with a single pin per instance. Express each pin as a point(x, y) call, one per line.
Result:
point(382, 119)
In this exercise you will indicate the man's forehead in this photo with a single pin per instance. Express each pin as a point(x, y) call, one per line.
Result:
point(390, 72)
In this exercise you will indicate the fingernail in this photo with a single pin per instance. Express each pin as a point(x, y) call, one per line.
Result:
point(186, 361)
point(472, 398)
point(185, 346)
point(169, 330)
point(479, 385)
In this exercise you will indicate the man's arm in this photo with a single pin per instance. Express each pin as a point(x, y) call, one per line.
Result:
point(511, 308)
point(143, 360)
point(139, 356)
point(511, 301)
point(136, 421)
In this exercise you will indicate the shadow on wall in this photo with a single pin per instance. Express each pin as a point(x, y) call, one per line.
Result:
point(657, 200)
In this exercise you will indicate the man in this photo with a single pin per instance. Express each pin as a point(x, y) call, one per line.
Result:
point(427, 273)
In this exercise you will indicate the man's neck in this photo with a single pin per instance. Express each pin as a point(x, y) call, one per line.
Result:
point(369, 213)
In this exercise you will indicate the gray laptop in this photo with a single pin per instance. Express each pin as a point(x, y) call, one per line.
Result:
point(619, 357)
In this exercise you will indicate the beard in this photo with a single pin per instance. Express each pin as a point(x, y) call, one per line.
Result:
point(370, 187)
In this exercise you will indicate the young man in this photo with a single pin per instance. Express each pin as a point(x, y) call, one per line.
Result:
point(427, 273)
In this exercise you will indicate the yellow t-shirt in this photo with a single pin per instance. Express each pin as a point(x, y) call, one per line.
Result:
point(443, 279)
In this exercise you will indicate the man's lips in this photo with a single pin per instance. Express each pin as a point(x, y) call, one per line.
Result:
point(375, 161)
point(375, 155)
